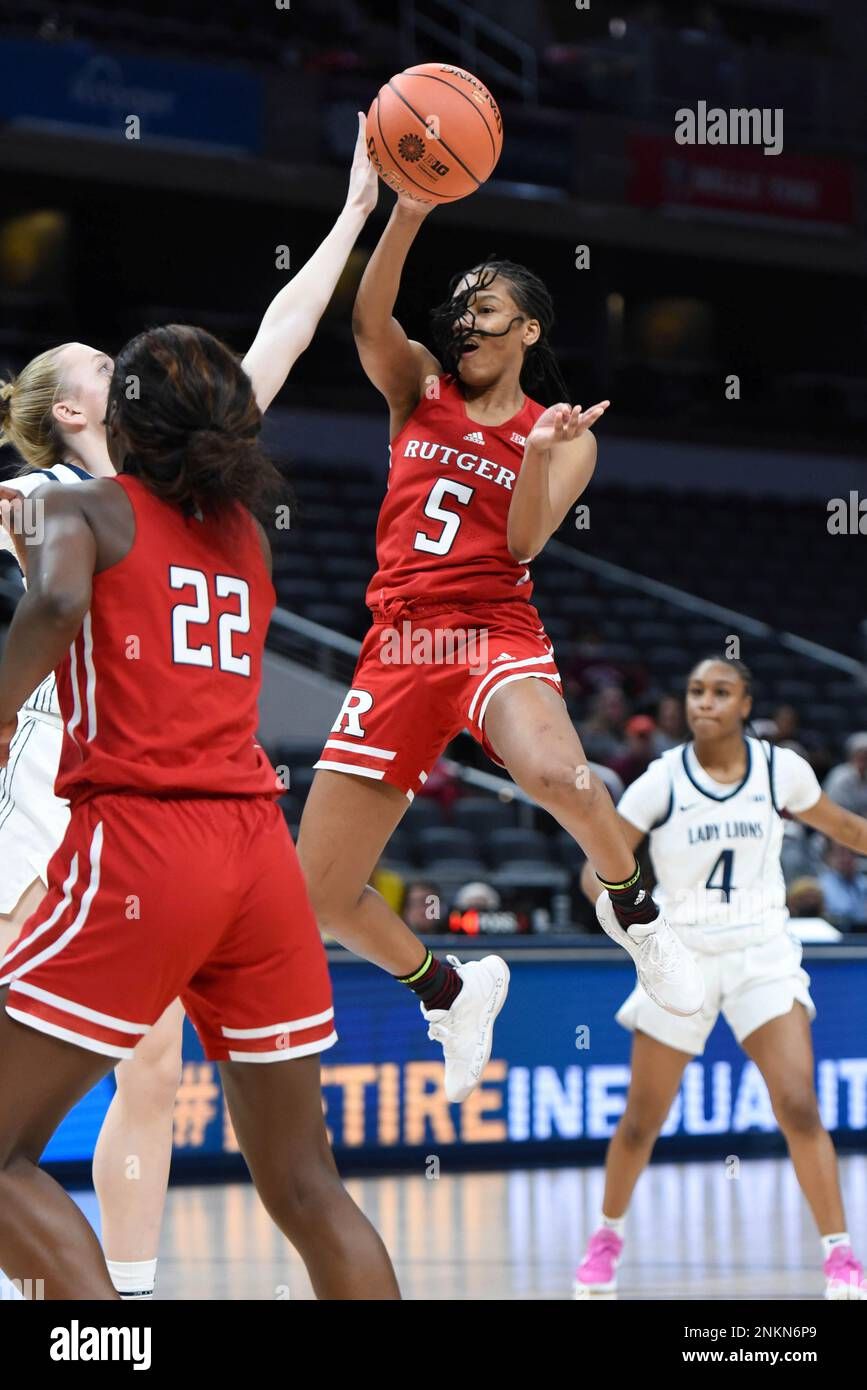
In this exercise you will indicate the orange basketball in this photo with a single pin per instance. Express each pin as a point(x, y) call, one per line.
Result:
point(434, 132)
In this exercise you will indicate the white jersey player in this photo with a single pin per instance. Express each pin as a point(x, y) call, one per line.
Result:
point(713, 810)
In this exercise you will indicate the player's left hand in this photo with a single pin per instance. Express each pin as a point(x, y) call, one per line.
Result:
point(7, 733)
point(363, 181)
point(560, 423)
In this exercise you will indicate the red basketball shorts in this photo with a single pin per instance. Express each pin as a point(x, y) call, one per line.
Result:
point(152, 899)
point(422, 678)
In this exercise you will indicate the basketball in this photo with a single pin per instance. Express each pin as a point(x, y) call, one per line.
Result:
point(434, 132)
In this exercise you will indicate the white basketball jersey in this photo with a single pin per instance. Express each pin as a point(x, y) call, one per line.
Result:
point(716, 853)
point(44, 698)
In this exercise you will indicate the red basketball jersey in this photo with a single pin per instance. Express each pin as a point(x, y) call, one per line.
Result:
point(441, 534)
point(159, 692)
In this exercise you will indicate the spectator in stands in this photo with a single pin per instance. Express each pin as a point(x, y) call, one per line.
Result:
point(602, 733)
point(670, 724)
point(640, 749)
point(478, 897)
point(805, 898)
point(790, 733)
point(422, 906)
point(799, 856)
point(847, 783)
point(593, 668)
point(844, 888)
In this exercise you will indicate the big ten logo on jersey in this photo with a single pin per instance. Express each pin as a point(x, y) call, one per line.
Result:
point(232, 595)
point(348, 721)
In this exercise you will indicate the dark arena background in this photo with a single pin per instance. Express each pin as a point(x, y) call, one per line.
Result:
point(179, 161)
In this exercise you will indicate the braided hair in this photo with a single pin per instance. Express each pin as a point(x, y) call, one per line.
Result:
point(540, 373)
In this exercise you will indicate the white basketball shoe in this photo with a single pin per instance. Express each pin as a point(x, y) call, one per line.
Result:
point(466, 1030)
point(665, 967)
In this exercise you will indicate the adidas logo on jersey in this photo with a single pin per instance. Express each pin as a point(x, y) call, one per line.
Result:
point(519, 439)
point(504, 656)
point(475, 437)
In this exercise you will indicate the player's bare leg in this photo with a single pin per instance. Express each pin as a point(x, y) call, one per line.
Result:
point(656, 1071)
point(655, 1075)
point(782, 1049)
point(346, 825)
point(276, 1110)
point(532, 734)
point(43, 1235)
point(133, 1153)
point(12, 922)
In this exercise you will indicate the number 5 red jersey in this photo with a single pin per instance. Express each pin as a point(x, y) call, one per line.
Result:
point(441, 535)
point(159, 692)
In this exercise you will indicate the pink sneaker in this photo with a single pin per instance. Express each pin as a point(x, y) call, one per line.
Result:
point(596, 1273)
point(844, 1275)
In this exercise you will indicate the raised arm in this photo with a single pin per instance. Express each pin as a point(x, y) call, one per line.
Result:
point(559, 460)
point(397, 366)
point(47, 618)
point(293, 315)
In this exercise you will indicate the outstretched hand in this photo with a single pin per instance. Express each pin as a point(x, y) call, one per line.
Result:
point(363, 181)
point(560, 423)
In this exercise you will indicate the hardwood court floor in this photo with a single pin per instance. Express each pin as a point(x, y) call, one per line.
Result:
point(692, 1233)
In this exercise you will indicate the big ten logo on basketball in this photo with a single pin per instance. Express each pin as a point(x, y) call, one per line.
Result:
point(847, 517)
point(435, 646)
point(23, 518)
point(738, 126)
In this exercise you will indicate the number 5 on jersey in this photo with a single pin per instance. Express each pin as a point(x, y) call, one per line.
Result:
point(451, 520)
point(187, 615)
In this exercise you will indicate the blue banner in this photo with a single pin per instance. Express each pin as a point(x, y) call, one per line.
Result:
point(557, 1079)
point(80, 86)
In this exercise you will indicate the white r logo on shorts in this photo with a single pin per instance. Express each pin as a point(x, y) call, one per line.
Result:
point(348, 721)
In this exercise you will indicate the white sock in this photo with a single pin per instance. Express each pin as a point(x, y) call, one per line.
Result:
point(133, 1279)
point(830, 1243)
point(613, 1223)
point(8, 1290)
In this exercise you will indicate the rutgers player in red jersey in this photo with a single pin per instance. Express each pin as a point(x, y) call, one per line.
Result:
point(481, 475)
point(151, 595)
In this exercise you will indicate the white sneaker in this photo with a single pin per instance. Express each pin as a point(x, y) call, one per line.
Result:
point(466, 1030)
point(666, 970)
